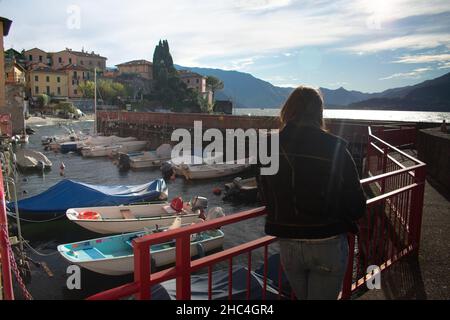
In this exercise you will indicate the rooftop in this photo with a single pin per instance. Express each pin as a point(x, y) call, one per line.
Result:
point(135, 62)
point(189, 74)
point(83, 53)
point(6, 25)
point(73, 67)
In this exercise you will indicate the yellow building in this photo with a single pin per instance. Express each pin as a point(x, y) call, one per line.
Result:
point(44, 80)
point(14, 73)
point(5, 24)
point(75, 76)
point(142, 68)
point(89, 60)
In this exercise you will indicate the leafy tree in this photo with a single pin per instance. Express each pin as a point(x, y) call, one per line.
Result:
point(168, 87)
point(214, 84)
point(87, 89)
point(43, 100)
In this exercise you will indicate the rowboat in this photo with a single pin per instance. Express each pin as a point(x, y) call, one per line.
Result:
point(27, 159)
point(146, 159)
point(209, 171)
point(114, 255)
point(121, 219)
point(109, 150)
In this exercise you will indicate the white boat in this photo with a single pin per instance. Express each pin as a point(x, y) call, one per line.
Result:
point(150, 159)
point(114, 255)
point(110, 149)
point(121, 219)
point(209, 171)
point(28, 159)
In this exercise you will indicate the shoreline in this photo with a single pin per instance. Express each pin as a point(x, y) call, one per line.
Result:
point(53, 120)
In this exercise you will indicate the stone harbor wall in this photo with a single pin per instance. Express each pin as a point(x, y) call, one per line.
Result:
point(433, 148)
point(15, 106)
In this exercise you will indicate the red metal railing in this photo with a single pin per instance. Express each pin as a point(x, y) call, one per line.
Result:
point(5, 254)
point(389, 231)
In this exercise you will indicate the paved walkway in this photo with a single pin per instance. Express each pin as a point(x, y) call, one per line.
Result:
point(428, 276)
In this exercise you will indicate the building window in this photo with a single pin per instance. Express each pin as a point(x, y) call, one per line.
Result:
point(70, 60)
point(36, 89)
point(75, 91)
point(198, 81)
point(59, 91)
point(73, 82)
point(58, 79)
point(40, 58)
point(48, 90)
point(188, 81)
point(48, 79)
point(60, 60)
point(75, 74)
point(36, 78)
point(82, 62)
point(30, 57)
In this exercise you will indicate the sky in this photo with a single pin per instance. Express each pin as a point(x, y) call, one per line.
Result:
point(364, 45)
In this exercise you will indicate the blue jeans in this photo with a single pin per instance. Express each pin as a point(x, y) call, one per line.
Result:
point(315, 268)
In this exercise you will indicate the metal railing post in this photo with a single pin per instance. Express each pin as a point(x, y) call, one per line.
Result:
point(417, 198)
point(5, 256)
point(142, 269)
point(183, 266)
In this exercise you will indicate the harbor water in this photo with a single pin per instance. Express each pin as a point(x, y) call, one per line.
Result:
point(48, 280)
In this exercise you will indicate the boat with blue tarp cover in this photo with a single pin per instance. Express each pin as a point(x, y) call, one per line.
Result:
point(67, 194)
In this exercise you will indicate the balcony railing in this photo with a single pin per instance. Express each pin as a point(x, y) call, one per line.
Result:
point(389, 231)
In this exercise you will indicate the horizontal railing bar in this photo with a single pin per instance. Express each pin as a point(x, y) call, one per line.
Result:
point(232, 252)
point(390, 174)
point(391, 194)
point(199, 227)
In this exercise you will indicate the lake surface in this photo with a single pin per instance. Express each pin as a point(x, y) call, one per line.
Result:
point(46, 236)
point(406, 116)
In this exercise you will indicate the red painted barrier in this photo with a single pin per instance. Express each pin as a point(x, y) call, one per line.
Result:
point(5, 256)
point(389, 231)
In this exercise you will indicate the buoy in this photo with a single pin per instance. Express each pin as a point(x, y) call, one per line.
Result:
point(89, 215)
point(217, 191)
point(61, 168)
point(177, 204)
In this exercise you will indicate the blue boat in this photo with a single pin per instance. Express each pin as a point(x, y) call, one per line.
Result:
point(71, 194)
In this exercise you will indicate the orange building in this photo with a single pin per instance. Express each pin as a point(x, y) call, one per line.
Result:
point(142, 68)
point(196, 82)
point(42, 79)
point(88, 60)
point(5, 24)
point(14, 72)
point(37, 55)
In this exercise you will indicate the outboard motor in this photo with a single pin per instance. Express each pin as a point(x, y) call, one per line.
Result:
point(214, 213)
point(124, 162)
point(199, 203)
point(167, 170)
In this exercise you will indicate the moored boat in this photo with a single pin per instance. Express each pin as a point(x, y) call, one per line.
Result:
point(114, 255)
point(27, 159)
point(122, 219)
point(146, 159)
point(241, 190)
point(109, 150)
point(66, 194)
point(209, 171)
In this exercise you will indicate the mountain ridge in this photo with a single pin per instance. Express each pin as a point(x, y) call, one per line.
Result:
point(247, 91)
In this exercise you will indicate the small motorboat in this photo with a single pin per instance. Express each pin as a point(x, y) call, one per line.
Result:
point(27, 159)
point(146, 159)
point(66, 194)
point(241, 190)
point(29, 130)
point(110, 150)
point(214, 170)
point(122, 219)
point(114, 255)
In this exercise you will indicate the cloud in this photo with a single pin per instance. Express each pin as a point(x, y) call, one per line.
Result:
point(424, 58)
point(258, 5)
point(416, 73)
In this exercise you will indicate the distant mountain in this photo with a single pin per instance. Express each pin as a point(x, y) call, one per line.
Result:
point(430, 95)
point(246, 91)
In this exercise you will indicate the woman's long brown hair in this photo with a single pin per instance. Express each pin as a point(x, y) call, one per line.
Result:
point(304, 106)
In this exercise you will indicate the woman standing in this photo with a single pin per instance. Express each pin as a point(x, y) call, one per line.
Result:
point(314, 200)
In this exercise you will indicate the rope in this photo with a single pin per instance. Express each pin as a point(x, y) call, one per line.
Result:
point(34, 221)
point(26, 294)
point(37, 252)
